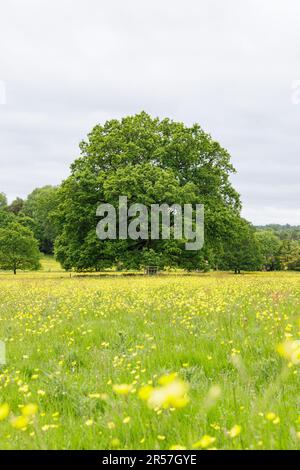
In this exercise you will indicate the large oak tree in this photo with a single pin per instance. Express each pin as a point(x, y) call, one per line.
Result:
point(150, 161)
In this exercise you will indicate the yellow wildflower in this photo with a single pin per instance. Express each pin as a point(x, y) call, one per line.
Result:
point(94, 395)
point(145, 392)
point(122, 389)
point(290, 350)
point(172, 393)
point(19, 422)
point(167, 379)
point(235, 431)
point(89, 422)
point(204, 442)
point(115, 443)
point(30, 409)
point(4, 411)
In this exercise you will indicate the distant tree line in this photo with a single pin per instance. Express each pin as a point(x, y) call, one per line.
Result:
point(150, 161)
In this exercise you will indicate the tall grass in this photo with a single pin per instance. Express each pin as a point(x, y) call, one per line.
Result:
point(69, 341)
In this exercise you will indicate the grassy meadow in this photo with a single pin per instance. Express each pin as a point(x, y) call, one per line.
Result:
point(163, 362)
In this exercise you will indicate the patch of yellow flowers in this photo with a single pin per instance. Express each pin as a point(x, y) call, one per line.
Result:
point(212, 322)
point(19, 422)
point(290, 350)
point(172, 392)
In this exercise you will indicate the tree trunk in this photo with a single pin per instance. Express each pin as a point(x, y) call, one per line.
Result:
point(15, 271)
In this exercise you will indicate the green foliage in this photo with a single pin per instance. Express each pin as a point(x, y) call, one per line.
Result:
point(5, 217)
point(38, 206)
point(242, 250)
point(18, 248)
point(284, 232)
point(289, 254)
point(13, 213)
point(16, 206)
point(280, 245)
point(149, 161)
point(3, 201)
point(270, 245)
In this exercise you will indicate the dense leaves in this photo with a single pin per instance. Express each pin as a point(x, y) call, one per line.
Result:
point(39, 206)
point(149, 161)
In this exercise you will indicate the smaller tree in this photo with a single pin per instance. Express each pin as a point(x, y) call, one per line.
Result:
point(18, 248)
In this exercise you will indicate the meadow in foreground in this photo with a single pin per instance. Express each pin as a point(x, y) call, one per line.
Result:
point(152, 363)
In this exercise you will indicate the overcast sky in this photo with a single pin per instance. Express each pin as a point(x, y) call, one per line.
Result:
point(229, 65)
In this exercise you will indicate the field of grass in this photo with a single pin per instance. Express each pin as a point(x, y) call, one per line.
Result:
point(91, 362)
point(49, 264)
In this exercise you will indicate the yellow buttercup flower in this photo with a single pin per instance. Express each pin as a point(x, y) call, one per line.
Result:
point(290, 350)
point(205, 442)
point(122, 389)
point(94, 395)
point(171, 394)
point(145, 392)
point(270, 416)
point(235, 431)
point(20, 422)
point(167, 379)
point(30, 409)
point(115, 443)
point(4, 411)
point(89, 422)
